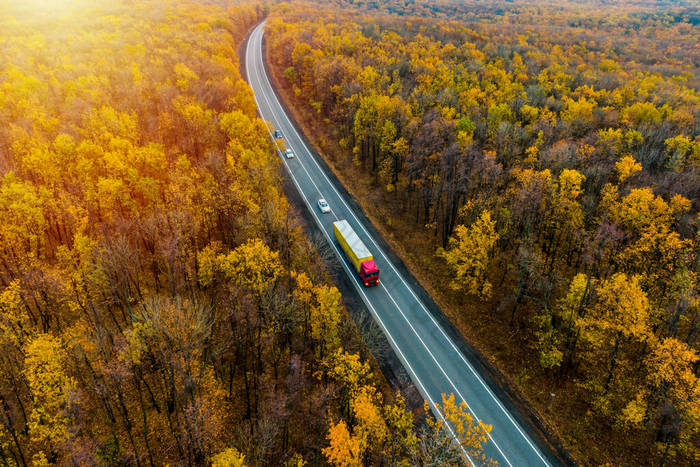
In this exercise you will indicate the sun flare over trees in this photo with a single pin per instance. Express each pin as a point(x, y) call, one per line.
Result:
point(535, 164)
point(160, 302)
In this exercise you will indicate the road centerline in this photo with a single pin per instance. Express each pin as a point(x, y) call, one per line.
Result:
point(257, 70)
point(376, 315)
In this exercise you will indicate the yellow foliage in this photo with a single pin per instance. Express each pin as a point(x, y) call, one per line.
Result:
point(348, 370)
point(183, 76)
point(136, 343)
point(609, 66)
point(39, 460)
point(208, 262)
point(611, 139)
point(671, 368)
point(52, 390)
point(634, 412)
point(252, 265)
point(117, 166)
point(326, 316)
point(658, 249)
point(679, 204)
point(626, 167)
point(609, 198)
point(622, 307)
point(585, 151)
point(680, 151)
point(569, 184)
point(401, 435)
point(641, 208)
point(344, 450)
point(228, 458)
point(471, 433)
point(304, 288)
point(579, 110)
point(468, 255)
point(571, 305)
point(531, 155)
point(371, 428)
point(15, 326)
point(529, 113)
point(22, 212)
point(641, 113)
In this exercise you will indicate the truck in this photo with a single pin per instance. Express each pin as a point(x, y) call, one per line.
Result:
point(359, 255)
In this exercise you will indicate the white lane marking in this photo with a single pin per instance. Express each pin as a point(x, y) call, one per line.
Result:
point(405, 361)
point(443, 372)
point(463, 358)
point(271, 107)
point(432, 356)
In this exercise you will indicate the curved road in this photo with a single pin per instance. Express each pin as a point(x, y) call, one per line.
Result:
point(431, 358)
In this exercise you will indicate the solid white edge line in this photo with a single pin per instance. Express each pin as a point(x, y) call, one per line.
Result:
point(421, 388)
point(498, 402)
point(442, 370)
point(445, 373)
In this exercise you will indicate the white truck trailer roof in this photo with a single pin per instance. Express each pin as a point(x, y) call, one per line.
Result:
point(352, 239)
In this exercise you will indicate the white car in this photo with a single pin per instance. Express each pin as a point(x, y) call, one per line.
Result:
point(288, 153)
point(323, 205)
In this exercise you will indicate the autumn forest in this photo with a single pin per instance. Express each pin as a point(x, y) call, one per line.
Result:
point(535, 164)
point(538, 164)
point(159, 301)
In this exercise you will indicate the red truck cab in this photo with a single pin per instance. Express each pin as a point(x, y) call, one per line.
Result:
point(369, 272)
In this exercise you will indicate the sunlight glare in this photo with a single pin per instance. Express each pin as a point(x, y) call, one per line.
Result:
point(46, 8)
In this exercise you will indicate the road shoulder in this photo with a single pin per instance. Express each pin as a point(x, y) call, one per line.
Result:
point(506, 391)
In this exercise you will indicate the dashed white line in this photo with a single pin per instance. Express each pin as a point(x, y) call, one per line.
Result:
point(405, 361)
point(451, 343)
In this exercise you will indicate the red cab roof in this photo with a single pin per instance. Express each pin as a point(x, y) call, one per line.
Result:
point(369, 266)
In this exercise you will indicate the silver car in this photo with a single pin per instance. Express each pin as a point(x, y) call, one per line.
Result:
point(323, 205)
point(288, 153)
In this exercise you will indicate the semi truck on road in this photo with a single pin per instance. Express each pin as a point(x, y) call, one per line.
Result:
point(360, 256)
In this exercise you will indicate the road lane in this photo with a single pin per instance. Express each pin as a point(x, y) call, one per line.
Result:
point(433, 361)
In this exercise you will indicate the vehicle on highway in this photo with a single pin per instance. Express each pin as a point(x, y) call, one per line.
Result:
point(278, 134)
point(288, 153)
point(431, 356)
point(323, 205)
point(360, 256)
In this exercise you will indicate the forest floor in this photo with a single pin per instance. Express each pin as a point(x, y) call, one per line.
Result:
point(553, 401)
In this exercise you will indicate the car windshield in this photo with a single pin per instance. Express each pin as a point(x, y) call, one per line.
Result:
point(323, 203)
point(372, 274)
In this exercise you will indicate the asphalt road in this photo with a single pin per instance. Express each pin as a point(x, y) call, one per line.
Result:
point(433, 361)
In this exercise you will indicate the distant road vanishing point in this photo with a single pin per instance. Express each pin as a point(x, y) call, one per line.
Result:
point(432, 359)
